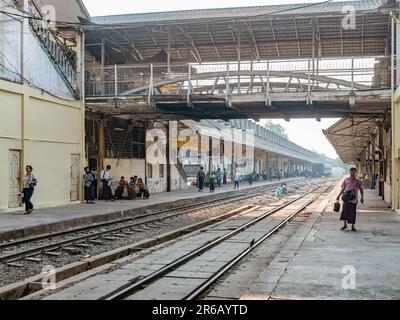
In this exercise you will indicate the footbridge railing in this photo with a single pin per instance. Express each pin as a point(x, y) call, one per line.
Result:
point(232, 78)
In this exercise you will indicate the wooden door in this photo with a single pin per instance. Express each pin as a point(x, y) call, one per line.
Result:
point(75, 176)
point(14, 175)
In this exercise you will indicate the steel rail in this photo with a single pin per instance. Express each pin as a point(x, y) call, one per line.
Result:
point(8, 258)
point(126, 291)
point(203, 204)
point(204, 286)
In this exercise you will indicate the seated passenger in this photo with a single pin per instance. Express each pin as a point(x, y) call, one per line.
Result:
point(142, 189)
point(132, 188)
point(279, 192)
point(284, 188)
point(120, 189)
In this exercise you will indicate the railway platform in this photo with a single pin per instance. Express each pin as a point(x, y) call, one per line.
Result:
point(322, 262)
point(16, 225)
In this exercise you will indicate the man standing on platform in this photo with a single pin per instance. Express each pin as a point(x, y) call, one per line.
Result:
point(201, 177)
point(105, 179)
point(237, 180)
point(218, 175)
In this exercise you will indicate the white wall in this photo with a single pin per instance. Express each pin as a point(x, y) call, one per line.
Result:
point(10, 47)
point(126, 167)
point(25, 55)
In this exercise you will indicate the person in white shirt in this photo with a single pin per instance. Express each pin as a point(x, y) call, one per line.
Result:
point(237, 179)
point(29, 186)
point(105, 179)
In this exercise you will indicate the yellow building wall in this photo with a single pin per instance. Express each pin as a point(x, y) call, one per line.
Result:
point(52, 131)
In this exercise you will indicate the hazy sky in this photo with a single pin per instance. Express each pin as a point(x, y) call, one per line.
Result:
point(307, 133)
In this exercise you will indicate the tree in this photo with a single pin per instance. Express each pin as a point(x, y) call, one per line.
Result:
point(341, 164)
point(276, 128)
point(321, 157)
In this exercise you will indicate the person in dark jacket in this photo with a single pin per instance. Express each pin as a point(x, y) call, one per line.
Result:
point(88, 181)
point(201, 177)
point(94, 173)
point(132, 188)
point(105, 179)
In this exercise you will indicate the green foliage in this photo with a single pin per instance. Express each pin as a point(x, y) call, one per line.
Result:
point(341, 164)
point(321, 157)
point(276, 128)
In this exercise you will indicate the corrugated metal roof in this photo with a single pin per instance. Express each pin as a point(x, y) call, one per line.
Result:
point(349, 136)
point(241, 12)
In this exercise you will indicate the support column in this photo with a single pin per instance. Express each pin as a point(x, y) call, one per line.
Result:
point(233, 167)
point(381, 177)
point(168, 158)
point(199, 141)
point(210, 154)
point(239, 61)
point(373, 165)
point(102, 143)
point(101, 152)
point(103, 62)
point(395, 114)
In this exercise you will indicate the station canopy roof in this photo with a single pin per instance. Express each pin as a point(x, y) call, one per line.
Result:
point(254, 33)
point(350, 136)
point(216, 130)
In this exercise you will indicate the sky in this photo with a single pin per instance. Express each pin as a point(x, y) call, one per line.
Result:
point(307, 133)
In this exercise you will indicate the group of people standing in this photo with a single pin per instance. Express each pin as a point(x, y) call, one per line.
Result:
point(136, 187)
point(216, 179)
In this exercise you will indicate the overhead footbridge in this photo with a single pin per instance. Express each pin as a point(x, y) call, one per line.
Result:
point(281, 61)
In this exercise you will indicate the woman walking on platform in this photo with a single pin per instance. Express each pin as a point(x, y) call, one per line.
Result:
point(29, 186)
point(349, 193)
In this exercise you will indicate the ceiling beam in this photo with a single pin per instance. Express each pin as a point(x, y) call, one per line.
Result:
point(197, 55)
point(297, 35)
point(254, 41)
point(275, 39)
point(213, 41)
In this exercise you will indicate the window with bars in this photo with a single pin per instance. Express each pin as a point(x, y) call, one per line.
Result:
point(125, 143)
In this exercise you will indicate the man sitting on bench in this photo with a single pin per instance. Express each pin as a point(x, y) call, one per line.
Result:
point(120, 189)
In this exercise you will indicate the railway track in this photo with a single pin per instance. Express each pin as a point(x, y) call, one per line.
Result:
point(96, 235)
point(287, 212)
point(97, 240)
